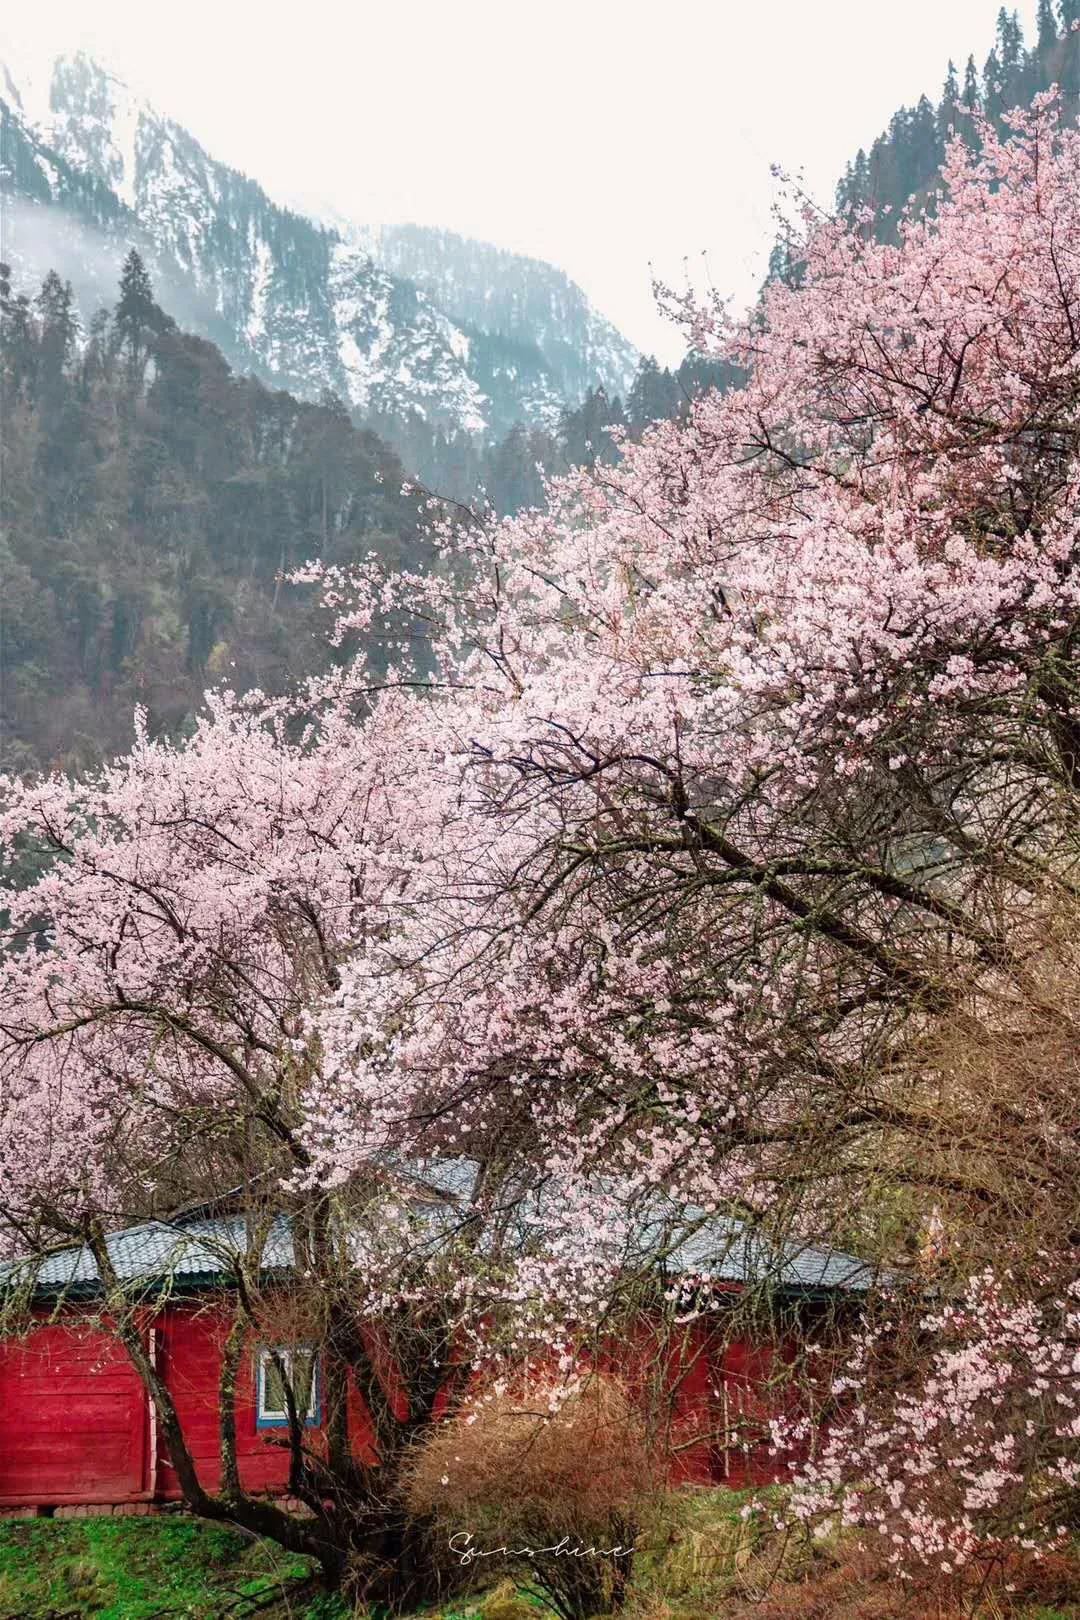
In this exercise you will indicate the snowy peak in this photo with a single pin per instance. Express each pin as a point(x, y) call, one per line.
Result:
point(398, 321)
point(396, 351)
point(95, 122)
point(514, 297)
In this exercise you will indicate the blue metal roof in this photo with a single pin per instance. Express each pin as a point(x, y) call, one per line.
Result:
point(179, 1251)
point(202, 1248)
point(727, 1250)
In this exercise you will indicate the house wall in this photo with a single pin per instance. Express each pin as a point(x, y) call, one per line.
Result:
point(189, 1344)
point(715, 1399)
point(76, 1426)
point(74, 1419)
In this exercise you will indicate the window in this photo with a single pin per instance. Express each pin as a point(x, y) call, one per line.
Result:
point(300, 1365)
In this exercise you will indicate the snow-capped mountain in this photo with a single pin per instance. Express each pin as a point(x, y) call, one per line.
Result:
point(88, 168)
point(524, 299)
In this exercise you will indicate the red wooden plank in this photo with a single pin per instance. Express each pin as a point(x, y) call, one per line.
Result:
point(190, 1342)
point(72, 1418)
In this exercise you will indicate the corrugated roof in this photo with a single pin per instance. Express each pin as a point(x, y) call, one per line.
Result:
point(200, 1249)
point(727, 1250)
point(183, 1251)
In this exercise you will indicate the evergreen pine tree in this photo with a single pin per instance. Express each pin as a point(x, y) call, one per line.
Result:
point(993, 87)
point(947, 119)
point(1010, 47)
point(654, 395)
point(784, 264)
point(18, 342)
point(924, 153)
point(970, 94)
point(1047, 26)
point(137, 317)
point(55, 304)
point(583, 432)
point(969, 105)
point(1069, 71)
point(98, 356)
point(58, 464)
point(136, 291)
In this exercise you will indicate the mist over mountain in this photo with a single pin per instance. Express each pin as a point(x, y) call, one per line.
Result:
point(397, 322)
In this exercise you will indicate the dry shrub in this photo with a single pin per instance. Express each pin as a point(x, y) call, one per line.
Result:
point(998, 1084)
point(954, 1436)
point(802, 1582)
point(834, 1595)
point(555, 1479)
point(1052, 1581)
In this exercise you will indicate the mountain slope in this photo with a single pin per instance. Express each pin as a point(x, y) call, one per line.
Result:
point(280, 295)
point(154, 504)
point(89, 168)
point(519, 298)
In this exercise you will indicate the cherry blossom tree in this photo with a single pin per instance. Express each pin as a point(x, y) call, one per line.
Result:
point(753, 750)
point(766, 743)
point(713, 788)
point(959, 1466)
point(191, 908)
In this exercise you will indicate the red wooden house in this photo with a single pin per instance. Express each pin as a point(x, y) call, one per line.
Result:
point(77, 1430)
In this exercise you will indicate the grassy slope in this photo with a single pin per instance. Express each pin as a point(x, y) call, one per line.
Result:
point(702, 1562)
point(136, 1569)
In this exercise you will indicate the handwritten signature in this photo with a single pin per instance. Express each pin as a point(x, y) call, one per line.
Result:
point(461, 1544)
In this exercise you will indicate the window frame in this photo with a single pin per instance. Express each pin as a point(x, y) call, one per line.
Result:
point(264, 1418)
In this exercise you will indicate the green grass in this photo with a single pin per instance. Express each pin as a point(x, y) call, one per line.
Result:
point(175, 1568)
point(701, 1561)
point(146, 1569)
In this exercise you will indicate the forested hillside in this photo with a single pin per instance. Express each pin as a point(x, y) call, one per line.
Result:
point(510, 473)
point(151, 501)
point(904, 160)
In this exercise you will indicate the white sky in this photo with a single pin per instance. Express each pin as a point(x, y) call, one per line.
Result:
point(592, 133)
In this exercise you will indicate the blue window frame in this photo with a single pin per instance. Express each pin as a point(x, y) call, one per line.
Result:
point(300, 1364)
